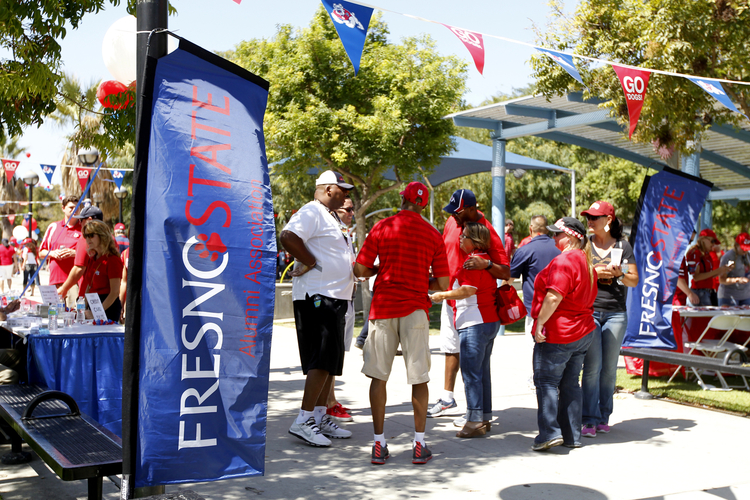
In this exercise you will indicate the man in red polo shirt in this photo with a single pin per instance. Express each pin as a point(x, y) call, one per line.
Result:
point(60, 242)
point(463, 208)
point(407, 247)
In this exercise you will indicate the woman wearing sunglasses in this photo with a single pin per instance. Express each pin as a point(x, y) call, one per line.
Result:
point(103, 268)
point(615, 265)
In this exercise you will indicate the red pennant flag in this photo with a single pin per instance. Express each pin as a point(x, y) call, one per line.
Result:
point(10, 167)
point(634, 83)
point(474, 42)
point(83, 176)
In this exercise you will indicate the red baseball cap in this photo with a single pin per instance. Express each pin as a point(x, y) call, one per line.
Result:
point(710, 233)
point(120, 225)
point(743, 241)
point(600, 208)
point(415, 191)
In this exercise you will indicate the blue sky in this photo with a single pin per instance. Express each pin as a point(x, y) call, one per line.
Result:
point(221, 24)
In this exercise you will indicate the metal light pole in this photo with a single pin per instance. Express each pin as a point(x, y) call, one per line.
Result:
point(121, 193)
point(31, 179)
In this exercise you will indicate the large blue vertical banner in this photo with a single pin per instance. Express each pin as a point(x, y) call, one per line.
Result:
point(670, 204)
point(208, 274)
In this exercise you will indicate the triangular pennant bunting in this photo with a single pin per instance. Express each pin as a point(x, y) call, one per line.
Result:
point(10, 167)
point(474, 42)
point(634, 83)
point(118, 176)
point(49, 171)
point(351, 22)
point(83, 174)
point(565, 61)
point(716, 90)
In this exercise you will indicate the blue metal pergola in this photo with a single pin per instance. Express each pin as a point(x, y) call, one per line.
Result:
point(722, 157)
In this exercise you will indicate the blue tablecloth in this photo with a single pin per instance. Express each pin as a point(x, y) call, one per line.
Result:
point(86, 366)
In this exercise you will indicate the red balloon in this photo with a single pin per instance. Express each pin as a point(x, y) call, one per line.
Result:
point(28, 155)
point(112, 88)
point(33, 224)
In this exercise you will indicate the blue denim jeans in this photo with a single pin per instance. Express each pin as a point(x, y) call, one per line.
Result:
point(476, 347)
point(729, 301)
point(556, 371)
point(706, 297)
point(600, 366)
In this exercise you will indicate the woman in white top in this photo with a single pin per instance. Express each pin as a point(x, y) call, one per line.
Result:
point(30, 263)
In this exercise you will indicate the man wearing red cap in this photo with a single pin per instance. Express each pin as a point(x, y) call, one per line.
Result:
point(734, 289)
point(701, 266)
point(407, 247)
point(122, 241)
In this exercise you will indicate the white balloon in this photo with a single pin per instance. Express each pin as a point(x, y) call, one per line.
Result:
point(20, 232)
point(119, 48)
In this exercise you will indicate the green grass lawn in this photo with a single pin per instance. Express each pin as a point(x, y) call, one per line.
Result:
point(689, 392)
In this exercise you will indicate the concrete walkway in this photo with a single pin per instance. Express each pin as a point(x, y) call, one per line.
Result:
point(656, 450)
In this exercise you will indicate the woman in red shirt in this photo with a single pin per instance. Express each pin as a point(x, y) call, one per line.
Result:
point(563, 310)
point(476, 320)
point(103, 268)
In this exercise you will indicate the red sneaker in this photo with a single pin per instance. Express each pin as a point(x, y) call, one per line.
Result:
point(338, 412)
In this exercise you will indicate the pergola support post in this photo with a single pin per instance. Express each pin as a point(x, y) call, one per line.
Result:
point(498, 192)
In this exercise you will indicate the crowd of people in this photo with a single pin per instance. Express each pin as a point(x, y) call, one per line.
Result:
point(575, 281)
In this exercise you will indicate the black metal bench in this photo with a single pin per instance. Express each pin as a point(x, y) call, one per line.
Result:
point(70, 442)
point(734, 362)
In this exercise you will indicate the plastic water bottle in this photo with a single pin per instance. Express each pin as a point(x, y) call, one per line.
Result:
point(52, 316)
point(625, 268)
point(81, 310)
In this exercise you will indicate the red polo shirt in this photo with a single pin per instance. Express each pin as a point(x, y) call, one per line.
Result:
point(98, 273)
point(59, 235)
point(457, 257)
point(6, 255)
point(680, 299)
point(407, 246)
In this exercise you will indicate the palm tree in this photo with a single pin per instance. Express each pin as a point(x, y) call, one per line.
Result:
point(14, 190)
point(76, 107)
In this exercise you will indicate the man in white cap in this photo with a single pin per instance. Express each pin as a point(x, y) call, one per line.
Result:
point(322, 287)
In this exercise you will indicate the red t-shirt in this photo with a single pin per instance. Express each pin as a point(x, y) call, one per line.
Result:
point(407, 246)
point(457, 257)
point(568, 275)
point(698, 262)
point(59, 235)
point(480, 307)
point(510, 245)
point(6, 255)
point(98, 273)
point(525, 240)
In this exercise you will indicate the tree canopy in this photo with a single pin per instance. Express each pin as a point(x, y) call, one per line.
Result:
point(322, 116)
point(706, 38)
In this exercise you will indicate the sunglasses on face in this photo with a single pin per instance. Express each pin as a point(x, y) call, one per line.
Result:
point(593, 217)
point(350, 210)
point(89, 235)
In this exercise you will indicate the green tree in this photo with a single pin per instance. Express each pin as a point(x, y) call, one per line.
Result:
point(703, 37)
point(321, 116)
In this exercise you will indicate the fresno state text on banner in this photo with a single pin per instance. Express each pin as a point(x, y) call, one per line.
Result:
point(208, 275)
point(671, 202)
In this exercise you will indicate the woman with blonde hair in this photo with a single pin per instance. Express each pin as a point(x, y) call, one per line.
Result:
point(477, 323)
point(103, 268)
point(563, 314)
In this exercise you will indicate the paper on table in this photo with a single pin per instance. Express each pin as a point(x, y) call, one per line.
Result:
point(49, 294)
point(95, 304)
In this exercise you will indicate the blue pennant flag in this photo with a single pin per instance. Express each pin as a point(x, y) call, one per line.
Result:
point(48, 170)
point(565, 61)
point(716, 90)
point(351, 21)
point(118, 176)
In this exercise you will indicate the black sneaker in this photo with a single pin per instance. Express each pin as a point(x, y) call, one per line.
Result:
point(420, 454)
point(379, 453)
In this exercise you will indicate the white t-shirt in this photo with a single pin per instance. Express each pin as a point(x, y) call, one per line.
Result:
point(323, 237)
point(30, 257)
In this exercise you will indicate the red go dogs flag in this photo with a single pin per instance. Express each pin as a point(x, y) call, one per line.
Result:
point(474, 42)
point(10, 167)
point(634, 83)
point(83, 174)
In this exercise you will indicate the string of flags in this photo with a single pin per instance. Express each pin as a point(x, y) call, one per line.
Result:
point(82, 172)
point(352, 20)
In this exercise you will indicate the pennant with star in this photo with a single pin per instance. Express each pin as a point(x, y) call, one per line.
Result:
point(352, 22)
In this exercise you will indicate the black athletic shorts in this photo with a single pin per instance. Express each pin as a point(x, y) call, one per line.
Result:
point(321, 322)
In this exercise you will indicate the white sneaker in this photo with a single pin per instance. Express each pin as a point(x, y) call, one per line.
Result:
point(329, 428)
point(460, 422)
point(309, 432)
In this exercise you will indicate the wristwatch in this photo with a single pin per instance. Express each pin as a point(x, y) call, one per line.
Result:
point(489, 266)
